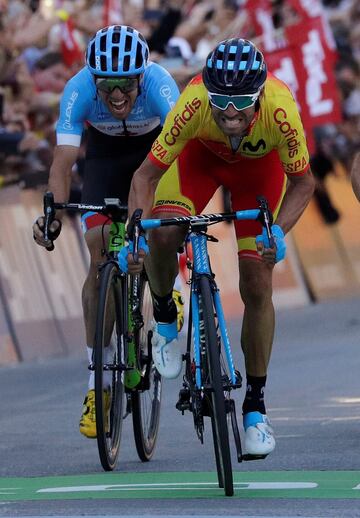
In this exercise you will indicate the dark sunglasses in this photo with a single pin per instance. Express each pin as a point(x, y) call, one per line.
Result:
point(125, 84)
point(239, 102)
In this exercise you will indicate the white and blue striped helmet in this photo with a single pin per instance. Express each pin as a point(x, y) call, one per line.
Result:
point(117, 50)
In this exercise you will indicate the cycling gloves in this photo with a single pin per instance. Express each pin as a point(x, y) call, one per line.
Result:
point(279, 238)
point(123, 263)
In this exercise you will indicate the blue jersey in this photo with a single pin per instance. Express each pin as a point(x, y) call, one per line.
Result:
point(80, 104)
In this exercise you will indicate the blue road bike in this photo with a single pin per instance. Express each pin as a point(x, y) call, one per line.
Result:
point(210, 374)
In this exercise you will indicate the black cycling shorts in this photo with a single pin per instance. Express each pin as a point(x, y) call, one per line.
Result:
point(110, 163)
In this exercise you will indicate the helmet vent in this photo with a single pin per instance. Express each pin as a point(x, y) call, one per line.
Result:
point(139, 57)
point(103, 63)
point(115, 59)
point(128, 43)
point(116, 37)
point(126, 63)
point(92, 55)
point(103, 43)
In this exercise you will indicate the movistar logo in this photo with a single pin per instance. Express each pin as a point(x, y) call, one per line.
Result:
point(260, 144)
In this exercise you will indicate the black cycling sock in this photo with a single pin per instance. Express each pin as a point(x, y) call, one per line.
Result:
point(164, 308)
point(254, 397)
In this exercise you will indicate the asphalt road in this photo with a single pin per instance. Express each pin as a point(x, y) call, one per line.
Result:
point(313, 400)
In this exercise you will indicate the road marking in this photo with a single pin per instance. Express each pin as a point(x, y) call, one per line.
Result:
point(179, 486)
point(120, 485)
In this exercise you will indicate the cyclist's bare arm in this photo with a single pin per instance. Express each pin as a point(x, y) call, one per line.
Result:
point(59, 183)
point(355, 176)
point(297, 196)
point(143, 187)
point(141, 196)
point(61, 171)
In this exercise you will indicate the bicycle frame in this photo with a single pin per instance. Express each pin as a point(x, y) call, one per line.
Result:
point(117, 237)
point(131, 298)
point(201, 266)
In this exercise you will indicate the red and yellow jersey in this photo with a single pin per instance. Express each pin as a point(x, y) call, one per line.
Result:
point(277, 125)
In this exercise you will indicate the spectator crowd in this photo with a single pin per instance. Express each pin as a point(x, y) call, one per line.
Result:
point(42, 44)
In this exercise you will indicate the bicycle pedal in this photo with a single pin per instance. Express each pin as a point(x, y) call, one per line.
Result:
point(183, 402)
point(249, 456)
point(206, 408)
point(238, 378)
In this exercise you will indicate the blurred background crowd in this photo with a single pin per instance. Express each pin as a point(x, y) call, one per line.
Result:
point(43, 44)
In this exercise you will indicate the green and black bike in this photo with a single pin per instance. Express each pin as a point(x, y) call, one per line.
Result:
point(122, 342)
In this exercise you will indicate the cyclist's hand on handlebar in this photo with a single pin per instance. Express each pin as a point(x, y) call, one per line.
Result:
point(38, 231)
point(126, 259)
point(275, 254)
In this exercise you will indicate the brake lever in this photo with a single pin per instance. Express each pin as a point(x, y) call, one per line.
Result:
point(266, 219)
point(134, 232)
point(49, 213)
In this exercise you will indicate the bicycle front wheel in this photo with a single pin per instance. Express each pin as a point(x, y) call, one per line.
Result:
point(146, 399)
point(216, 394)
point(109, 358)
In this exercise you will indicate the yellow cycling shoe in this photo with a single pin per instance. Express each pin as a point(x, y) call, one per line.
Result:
point(87, 423)
point(179, 301)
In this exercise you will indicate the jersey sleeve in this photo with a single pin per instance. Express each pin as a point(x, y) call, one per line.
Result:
point(181, 125)
point(73, 111)
point(289, 133)
point(163, 92)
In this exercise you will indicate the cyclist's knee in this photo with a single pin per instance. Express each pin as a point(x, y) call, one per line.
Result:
point(166, 240)
point(94, 242)
point(255, 284)
point(255, 294)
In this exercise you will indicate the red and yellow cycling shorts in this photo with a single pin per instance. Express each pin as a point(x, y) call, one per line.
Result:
point(192, 179)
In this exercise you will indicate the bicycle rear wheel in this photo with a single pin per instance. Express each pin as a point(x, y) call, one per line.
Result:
point(146, 399)
point(110, 400)
point(216, 401)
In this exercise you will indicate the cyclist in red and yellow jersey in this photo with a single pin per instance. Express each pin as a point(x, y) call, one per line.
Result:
point(237, 126)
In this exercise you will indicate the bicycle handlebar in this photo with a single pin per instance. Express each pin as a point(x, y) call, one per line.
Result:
point(202, 219)
point(262, 214)
point(113, 208)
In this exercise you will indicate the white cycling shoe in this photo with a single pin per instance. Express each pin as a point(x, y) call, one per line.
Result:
point(166, 350)
point(259, 436)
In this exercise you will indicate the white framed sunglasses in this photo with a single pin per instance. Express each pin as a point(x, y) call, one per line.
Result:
point(239, 102)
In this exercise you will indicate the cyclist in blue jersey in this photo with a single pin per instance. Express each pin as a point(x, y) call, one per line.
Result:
point(123, 99)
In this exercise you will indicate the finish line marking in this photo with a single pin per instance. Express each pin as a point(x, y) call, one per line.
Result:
point(180, 486)
point(119, 485)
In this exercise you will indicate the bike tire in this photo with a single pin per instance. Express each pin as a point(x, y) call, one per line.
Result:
point(146, 400)
point(109, 329)
point(216, 396)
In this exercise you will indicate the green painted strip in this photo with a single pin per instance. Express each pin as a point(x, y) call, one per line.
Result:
point(265, 484)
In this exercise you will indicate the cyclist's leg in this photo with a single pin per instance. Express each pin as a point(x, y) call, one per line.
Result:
point(258, 321)
point(93, 239)
point(101, 180)
point(265, 176)
point(185, 189)
point(256, 340)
